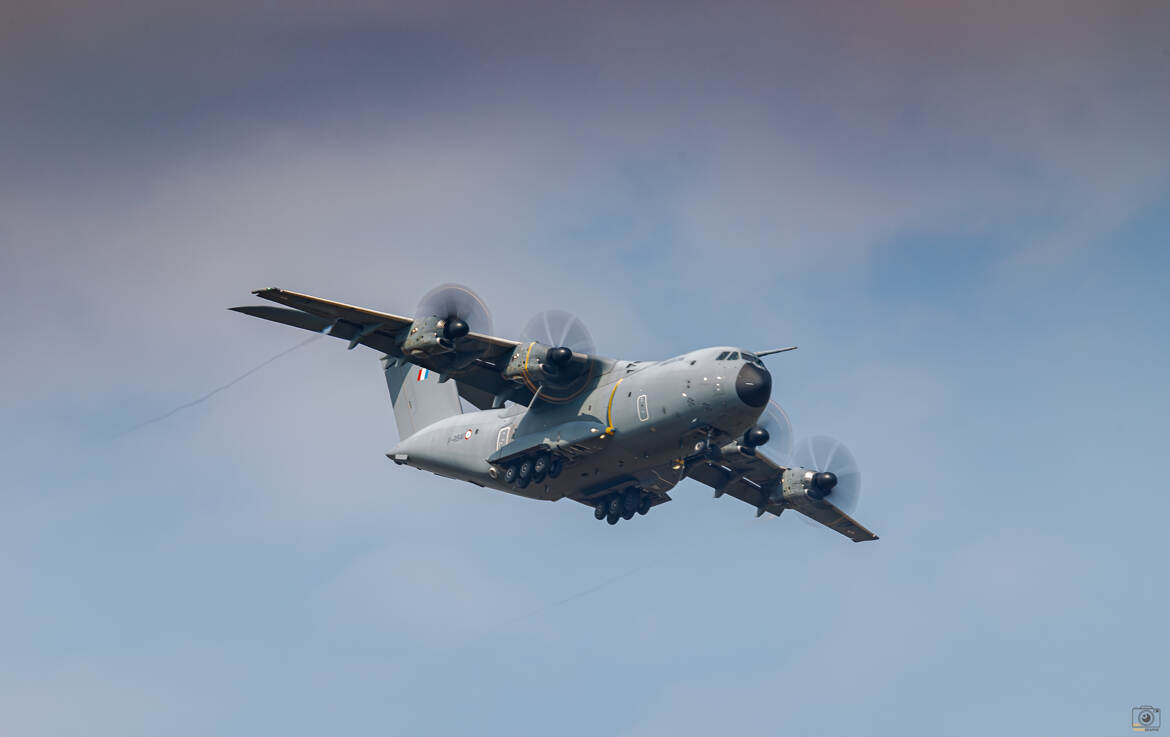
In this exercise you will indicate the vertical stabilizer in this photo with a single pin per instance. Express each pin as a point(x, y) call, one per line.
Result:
point(418, 397)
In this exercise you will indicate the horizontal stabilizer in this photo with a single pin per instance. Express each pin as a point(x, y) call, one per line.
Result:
point(355, 333)
point(286, 316)
point(479, 381)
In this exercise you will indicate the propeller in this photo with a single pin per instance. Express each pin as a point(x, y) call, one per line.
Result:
point(461, 308)
point(562, 330)
point(837, 478)
point(771, 435)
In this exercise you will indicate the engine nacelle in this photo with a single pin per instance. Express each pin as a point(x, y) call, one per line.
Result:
point(556, 372)
point(800, 484)
point(438, 341)
point(427, 337)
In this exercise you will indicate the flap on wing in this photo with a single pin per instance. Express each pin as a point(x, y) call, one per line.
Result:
point(833, 518)
point(755, 479)
point(727, 480)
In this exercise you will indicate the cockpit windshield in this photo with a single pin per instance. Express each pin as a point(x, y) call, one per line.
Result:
point(736, 355)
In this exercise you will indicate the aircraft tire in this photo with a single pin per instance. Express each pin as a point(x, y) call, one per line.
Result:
point(525, 471)
point(612, 518)
point(615, 507)
point(510, 474)
point(644, 505)
point(540, 465)
point(600, 511)
point(522, 483)
point(628, 514)
point(630, 501)
point(555, 467)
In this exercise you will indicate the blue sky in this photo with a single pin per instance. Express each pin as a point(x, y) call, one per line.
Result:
point(958, 213)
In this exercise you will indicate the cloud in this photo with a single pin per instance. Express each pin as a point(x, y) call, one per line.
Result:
point(675, 175)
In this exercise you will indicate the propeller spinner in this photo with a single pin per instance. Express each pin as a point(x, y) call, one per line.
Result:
point(562, 330)
point(771, 435)
point(461, 309)
point(836, 476)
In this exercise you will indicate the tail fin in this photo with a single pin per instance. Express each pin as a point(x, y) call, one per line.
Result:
point(418, 397)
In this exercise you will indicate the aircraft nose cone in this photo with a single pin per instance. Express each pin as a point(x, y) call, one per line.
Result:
point(753, 385)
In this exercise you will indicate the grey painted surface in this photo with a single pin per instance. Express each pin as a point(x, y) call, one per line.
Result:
point(418, 397)
point(617, 427)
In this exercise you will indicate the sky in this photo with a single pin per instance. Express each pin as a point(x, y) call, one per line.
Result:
point(959, 211)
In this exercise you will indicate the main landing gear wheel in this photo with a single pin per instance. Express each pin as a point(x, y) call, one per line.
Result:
point(511, 473)
point(540, 467)
point(555, 467)
point(630, 501)
point(525, 471)
point(623, 505)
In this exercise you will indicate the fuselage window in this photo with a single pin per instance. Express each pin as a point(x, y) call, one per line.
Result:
point(502, 437)
point(643, 408)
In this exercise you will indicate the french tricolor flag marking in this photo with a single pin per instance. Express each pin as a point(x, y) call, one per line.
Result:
point(423, 374)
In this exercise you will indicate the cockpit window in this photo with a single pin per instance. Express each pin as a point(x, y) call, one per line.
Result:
point(734, 356)
point(723, 356)
point(750, 357)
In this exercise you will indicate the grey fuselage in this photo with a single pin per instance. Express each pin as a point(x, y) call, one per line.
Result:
point(652, 413)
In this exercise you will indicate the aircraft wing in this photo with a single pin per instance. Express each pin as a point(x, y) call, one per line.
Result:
point(760, 482)
point(478, 383)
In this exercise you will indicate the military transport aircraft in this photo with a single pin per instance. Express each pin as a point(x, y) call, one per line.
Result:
point(554, 420)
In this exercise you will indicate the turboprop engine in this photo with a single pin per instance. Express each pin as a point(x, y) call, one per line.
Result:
point(445, 315)
point(557, 363)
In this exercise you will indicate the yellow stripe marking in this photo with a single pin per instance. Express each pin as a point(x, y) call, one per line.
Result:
point(609, 410)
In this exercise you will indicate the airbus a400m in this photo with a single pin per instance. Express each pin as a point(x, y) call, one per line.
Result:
point(552, 420)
